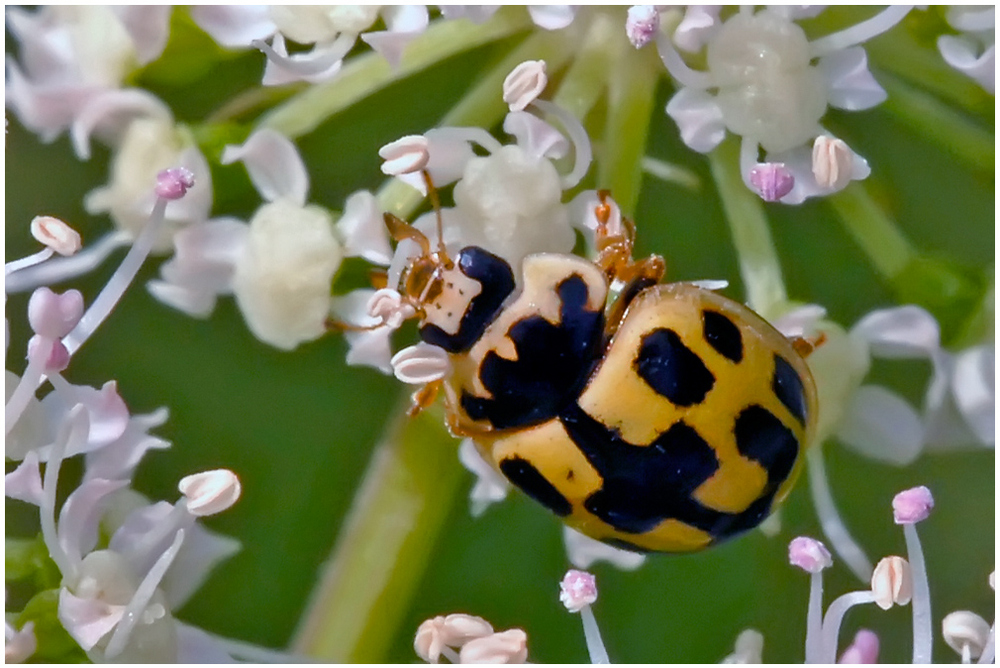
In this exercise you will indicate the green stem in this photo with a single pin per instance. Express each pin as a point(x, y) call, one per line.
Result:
point(251, 100)
point(759, 265)
point(387, 540)
point(950, 129)
point(482, 106)
point(877, 234)
point(631, 92)
point(584, 81)
point(371, 73)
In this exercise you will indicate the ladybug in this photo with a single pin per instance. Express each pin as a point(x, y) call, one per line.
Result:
point(653, 417)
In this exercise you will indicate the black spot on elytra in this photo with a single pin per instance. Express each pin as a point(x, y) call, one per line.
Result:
point(534, 484)
point(723, 335)
point(570, 475)
point(671, 369)
point(644, 485)
point(787, 386)
point(552, 365)
point(762, 437)
point(497, 281)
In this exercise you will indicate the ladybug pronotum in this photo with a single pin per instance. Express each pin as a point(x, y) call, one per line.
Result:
point(658, 417)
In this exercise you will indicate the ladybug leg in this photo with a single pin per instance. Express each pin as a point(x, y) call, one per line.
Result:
point(614, 241)
point(804, 346)
point(423, 398)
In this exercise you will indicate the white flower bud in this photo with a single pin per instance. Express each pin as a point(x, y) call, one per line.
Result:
point(53, 315)
point(507, 647)
point(524, 83)
point(210, 492)
point(405, 155)
point(420, 364)
point(965, 632)
point(892, 583)
point(387, 305)
point(56, 234)
point(832, 162)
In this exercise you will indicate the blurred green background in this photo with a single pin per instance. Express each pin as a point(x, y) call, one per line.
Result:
point(300, 428)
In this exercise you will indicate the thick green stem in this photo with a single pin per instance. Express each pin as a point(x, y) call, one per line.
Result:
point(950, 129)
point(385, 545)
point(876, 233)
point(584, 82)
point(482, 106)
point(631, 93)
point(759, 265)
point(370, 73)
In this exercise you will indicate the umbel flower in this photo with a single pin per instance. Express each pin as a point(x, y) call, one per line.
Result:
point(830, 167)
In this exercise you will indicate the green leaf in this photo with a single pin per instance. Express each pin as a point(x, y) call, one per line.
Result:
point(54, 644)
point(28, 558)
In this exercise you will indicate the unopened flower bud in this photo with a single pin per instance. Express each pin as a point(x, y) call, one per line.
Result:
point(809, 554)
point(577, 590)
point(451, 631)
point(524, 83)
point(210, 492)
point(864, 649)
point(54, 315)
point(642, 24)
point(387, 305)
point(507, 647)
point(405, 155)
point(56, 234)
point(421, 363)
point(173, 183)
point(57, 357)
point(772, 180)
point(965, 632)
point(832, 162)
point(912, 505)
point(892, 583)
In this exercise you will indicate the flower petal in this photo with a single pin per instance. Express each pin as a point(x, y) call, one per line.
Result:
point(274, 165)
point(552, 17)
point(363, 230)
point(490, 487)
point(974, 387)
point(87, 620)
point(881, 425)
point(700, 22)
point(148, 26)
point(698, 117)
point(584, 551)
point(902, 332)
point(316, 66)
point(79, 516)
point(962, 54)
point(850, 84)
point(234, 26)
point(25, 482)
point(195, 646)
point(117, 460)
point(109, 113)
point(535, 136)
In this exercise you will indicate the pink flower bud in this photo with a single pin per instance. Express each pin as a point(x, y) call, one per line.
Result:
point(577, 590)
point(507, 647)
point(174, 183)
point(892, 583)
point(832, 162)
point(56, 234)
point(864, 649)
point(53, 315)
point(57, 358)
point(421, 363)
point(642, 24)
point(524, 83)
point(772, 180)
point(809, 554)
point(405, 155)
point(210, 492)
point(912, 505)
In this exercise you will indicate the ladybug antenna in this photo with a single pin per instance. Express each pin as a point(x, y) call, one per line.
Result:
point(436, 204)
point(399, 230)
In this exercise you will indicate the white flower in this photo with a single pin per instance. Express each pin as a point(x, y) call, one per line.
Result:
point(150, 145)
point(761, 84)
point(70, 55)
point(973, 52)
point(491, 487)
point(282, 280)
point(583, 551)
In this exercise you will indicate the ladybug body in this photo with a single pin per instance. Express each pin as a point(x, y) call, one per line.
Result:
point(664, 417)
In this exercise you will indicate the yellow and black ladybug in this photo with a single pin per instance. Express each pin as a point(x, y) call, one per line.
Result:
point(655, 417)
